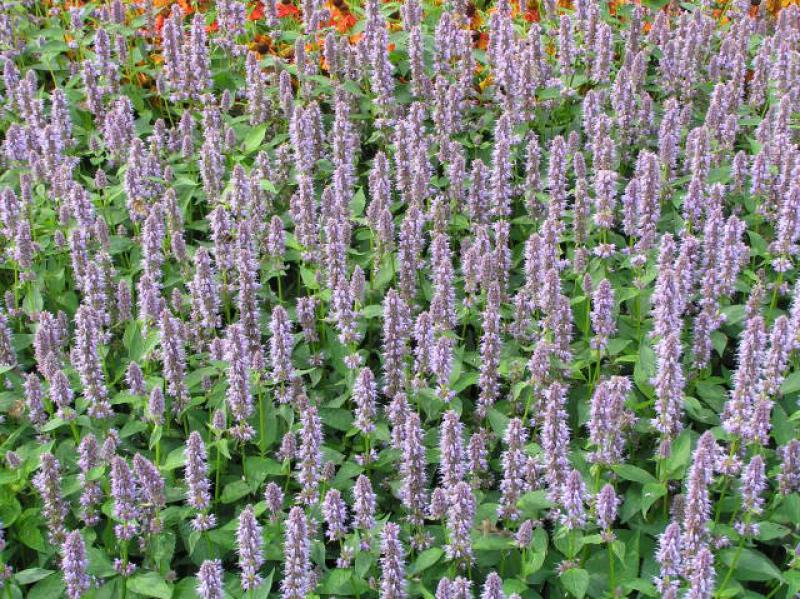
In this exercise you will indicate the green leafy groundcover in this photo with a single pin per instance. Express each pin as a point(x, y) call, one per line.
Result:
point(451, 299)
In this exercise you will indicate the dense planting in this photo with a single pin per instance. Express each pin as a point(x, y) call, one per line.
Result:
point(399, 300)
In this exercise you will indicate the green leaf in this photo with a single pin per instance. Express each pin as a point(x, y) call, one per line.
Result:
point(645, 369)
point(33, 302)
point(680, 451)
point(31, 575)
point(254, 138)
point(235, 491)
point(533, 502)
point(99, 563)
point(645, 587)
point(576, 582)
point(719, 340)
point(769, 531)
point(782, 427)
point(490, 542)
point(357, 203)
point(336, 582)
point(337, 418)
point(651, 492)
point(426, 559)
point(634, 473)
point(750, 565)
point(133, 340)
point(47, 588)
point(497, 420)
point(175, 459)
point(150, 584)
point(29, 534)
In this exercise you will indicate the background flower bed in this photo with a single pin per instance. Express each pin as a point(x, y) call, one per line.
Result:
point(399, 300)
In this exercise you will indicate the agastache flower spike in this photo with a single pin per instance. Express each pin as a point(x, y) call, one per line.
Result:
point(209, 578)
point(238, 395)
point(669, 557)
point(174, 358)
point(249, 543)
point(609, 419)
point(363, 504)
point(309, 454)
point(153, 499)
point(555, 438)
point(126, 497)
point(701, 574)
point(493, 587)
point(92, 494)
point(490, 349)
point(296, 582)
point(412, 469)
point(452, 456)
point(460, 514)
point(602, 315)
point(573, 495)
point(393, 584)
point(86, 359)
point(54, 509)
point(753, 484)
point(737, 412)
point(606, 509)
point(34, 400)
point(281, 344)
point(198, 486)
point(364, 395)
point(334, 511)
point(698, 506)
point(668, 383)
point(204, 293)
point(513, 484)
point(396, 331)
point(74, 565)
point(789, 475)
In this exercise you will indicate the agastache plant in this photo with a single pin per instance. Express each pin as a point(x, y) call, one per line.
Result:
point(415, 299)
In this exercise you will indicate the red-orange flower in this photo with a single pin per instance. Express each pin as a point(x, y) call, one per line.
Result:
point(257, 12)
point(287, 10)
point(532, 14)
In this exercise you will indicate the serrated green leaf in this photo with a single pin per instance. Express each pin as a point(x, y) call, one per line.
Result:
point(575, 581)
point(150, 584)
point(634, 473)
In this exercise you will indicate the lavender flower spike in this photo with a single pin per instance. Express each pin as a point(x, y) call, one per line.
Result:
point(210, 580)
point(74, 564)
point(393, 583)
point(297, 556)
point(249, 546)
point(198, 486)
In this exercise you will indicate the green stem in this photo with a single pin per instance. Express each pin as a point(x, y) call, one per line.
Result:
point(774, 301)
point(218, 469)
point(612, 583)
point(732, 567)
point(262, 422)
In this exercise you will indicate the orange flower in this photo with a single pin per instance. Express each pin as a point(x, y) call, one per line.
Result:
point(532, 14)
point(287, 10)
point(341, 19)
point(257, 12)
point(213, 27)
point(483, 41)
point(186, 6)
